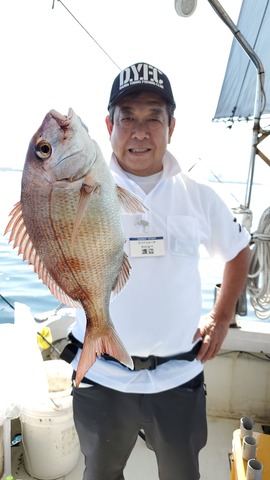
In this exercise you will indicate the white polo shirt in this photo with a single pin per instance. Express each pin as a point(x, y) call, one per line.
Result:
point(158, 311)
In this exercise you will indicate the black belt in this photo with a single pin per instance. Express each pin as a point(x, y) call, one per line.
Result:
point(140, 363)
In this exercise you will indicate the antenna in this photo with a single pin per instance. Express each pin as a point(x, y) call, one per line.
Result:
point(185, 8)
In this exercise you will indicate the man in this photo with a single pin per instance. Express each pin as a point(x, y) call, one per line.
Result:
point(157, 315)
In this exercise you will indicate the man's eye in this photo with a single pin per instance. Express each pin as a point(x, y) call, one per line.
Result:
point(126, 119)
point(153, 120)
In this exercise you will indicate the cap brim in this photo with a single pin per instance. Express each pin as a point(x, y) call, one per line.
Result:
point(140, 88)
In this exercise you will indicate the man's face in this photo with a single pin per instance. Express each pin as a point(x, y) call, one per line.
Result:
point(140, 133)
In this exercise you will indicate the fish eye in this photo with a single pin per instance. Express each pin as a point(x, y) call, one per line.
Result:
point(43, 149)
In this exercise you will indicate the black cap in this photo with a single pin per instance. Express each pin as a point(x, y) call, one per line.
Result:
point(141, 77)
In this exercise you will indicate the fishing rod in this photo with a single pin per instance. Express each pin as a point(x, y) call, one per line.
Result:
point(5, 300)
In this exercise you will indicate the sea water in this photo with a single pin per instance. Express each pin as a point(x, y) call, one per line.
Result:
point(19, 283)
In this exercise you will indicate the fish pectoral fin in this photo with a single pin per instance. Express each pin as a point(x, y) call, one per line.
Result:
point(89, 185)
point(94, 346)
point(87, 189)
point(122, 277)
point(129, 202)
point(20, 237)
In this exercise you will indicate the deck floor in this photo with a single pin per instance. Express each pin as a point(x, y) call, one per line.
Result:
point(214, 458)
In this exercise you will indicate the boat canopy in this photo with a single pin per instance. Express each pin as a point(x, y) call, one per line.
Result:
point(238, 91)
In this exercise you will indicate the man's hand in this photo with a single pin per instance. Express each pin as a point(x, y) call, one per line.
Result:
point(214, 327)
point(212, 334)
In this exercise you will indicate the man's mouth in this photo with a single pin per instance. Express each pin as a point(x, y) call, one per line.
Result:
point(139, 150)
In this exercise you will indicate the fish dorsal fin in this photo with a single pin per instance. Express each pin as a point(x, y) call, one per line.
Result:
point(20, 237)
point(122, 277)
point(130, 203)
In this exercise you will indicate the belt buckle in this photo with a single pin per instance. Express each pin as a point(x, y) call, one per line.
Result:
point(147, 363)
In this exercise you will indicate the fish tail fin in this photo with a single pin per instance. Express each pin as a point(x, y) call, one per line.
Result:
point(94, 346)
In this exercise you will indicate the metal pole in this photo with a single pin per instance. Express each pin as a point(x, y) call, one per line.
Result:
point(260, 95)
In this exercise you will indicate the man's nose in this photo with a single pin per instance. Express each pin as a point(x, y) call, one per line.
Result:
point(140, 130)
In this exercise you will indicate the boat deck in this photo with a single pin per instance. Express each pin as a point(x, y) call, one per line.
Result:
point(214, 459)
point(245, 354)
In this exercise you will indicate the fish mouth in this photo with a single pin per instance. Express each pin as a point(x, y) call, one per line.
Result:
point(62, 120)
point(65, 121)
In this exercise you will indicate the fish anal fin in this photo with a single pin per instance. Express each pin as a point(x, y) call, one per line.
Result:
point(94, 346)
point(123, 276)
point(129, 202)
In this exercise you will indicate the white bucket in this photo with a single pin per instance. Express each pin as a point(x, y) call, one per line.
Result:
point(50, 441)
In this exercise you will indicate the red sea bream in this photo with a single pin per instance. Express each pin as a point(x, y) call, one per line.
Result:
point(68, 226)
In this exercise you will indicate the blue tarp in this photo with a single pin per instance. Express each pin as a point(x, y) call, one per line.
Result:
point(238, 91)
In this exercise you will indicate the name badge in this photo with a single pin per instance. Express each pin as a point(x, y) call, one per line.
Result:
point(147, 246)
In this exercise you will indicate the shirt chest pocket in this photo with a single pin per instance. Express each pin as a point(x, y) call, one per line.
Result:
point(183, 236)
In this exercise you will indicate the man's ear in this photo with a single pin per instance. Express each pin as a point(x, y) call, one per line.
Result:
point(109, 124)
point(171, 129)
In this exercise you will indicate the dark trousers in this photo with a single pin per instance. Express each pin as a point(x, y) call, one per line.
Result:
point(174, 422)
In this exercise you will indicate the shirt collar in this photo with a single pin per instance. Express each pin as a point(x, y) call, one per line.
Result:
point(171, 166)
